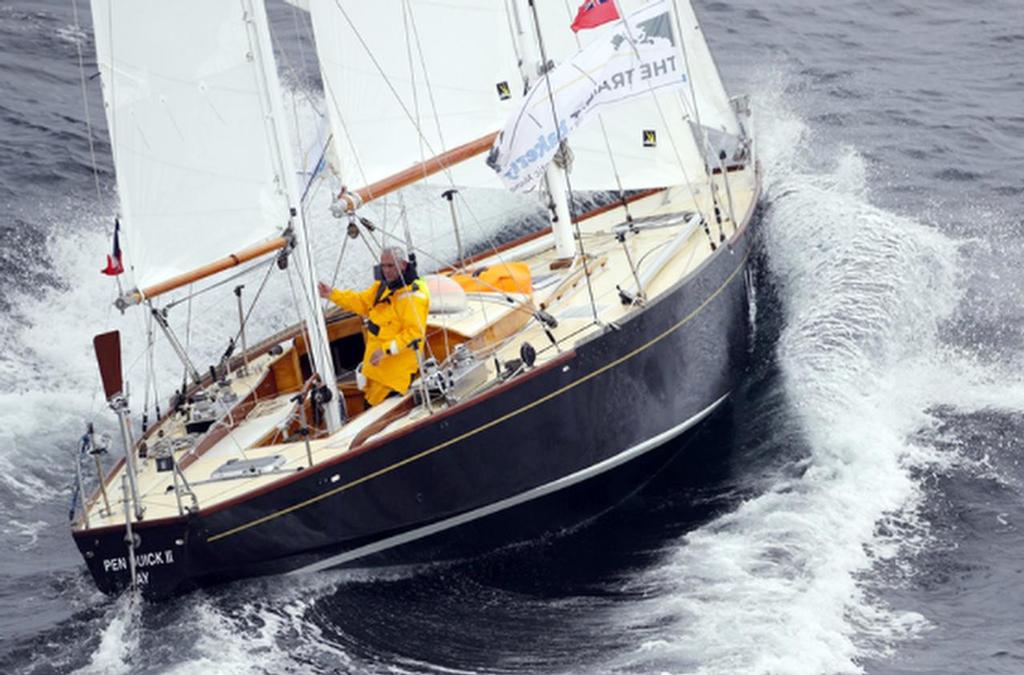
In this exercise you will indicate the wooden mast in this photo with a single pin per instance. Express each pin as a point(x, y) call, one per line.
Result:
point(353, 200)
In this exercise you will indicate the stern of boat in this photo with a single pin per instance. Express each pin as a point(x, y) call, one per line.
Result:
point(159, 557)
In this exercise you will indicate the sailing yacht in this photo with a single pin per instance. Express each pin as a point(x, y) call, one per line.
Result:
point(538, 402)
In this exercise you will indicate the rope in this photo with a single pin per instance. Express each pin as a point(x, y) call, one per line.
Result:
point(430, 90)
point(489, 241)
point(568, 183)
point(406, 12)
point(318, 168)
point(85, 102)
point(252, 305)
point(226, 280)
point(604, 131)
point(384, 77)
point(301, 322)
point(661, 113)
point(337, 265)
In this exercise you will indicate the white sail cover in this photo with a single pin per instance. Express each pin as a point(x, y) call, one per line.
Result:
point(405, 81)
point(196, 170)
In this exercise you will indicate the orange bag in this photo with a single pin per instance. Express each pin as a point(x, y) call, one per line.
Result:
point(511, 277)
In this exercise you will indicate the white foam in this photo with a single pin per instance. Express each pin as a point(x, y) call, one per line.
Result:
point(27, 532)
point(784, 583)
point(119, 640)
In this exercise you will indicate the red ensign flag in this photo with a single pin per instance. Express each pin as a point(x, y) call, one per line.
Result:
point(593, 13)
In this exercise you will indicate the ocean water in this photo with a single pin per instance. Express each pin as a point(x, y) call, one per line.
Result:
point(857, 510)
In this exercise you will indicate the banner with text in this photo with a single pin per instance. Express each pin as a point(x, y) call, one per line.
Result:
point(624, 63)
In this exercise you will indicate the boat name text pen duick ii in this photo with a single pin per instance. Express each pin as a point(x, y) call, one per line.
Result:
point(141, 560)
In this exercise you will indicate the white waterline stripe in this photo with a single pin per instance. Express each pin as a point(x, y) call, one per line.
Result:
point(529, 495)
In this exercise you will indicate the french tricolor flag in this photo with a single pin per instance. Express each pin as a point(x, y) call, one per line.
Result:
point(594, 13)
point(115, 264)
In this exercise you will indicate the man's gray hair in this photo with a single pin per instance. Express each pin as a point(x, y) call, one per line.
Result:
point(397, 252)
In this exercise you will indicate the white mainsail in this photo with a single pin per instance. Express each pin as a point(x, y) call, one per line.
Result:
point(406, 81)
point(196, 171)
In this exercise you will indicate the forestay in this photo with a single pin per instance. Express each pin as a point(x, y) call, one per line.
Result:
point(406, 81)
point(713, 106)
point(197, 173)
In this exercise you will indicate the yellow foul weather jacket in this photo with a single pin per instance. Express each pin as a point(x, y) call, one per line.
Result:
point(394, 320)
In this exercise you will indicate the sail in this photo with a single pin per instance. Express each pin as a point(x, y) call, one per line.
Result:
point(651, 139)
point(197, 174)
point(713, 107)
point(407, 81)
point(638, 146)
point(629, 76)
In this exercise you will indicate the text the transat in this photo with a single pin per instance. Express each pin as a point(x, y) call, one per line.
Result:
point(625, 63)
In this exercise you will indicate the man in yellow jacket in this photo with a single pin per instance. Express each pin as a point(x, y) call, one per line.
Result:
point(395, 310)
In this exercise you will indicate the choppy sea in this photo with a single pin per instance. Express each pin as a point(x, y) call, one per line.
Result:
point(859, 509)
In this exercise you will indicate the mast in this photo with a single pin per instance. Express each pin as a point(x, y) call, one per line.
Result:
point(319, 346)
point(533, 63)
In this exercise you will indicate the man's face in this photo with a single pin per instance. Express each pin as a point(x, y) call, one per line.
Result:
point(389, 267)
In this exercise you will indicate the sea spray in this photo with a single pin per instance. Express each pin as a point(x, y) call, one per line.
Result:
point(776, 584)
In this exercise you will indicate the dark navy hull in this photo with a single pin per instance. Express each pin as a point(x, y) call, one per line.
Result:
point(548, 449)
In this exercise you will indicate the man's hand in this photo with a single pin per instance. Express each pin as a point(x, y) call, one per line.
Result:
point(376, 356)
point(324, 290)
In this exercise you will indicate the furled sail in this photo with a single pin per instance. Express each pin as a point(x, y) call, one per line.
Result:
point(197, 171)
point(407, 81)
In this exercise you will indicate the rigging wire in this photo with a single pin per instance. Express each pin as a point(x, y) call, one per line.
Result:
point(430, 92)
point(337, 265)
point(188, 339)
point(406, 12)
point(303, 328)
point(707, 150)
point(320, 163)
point(661, 115)
point(226, 280)
point(301, 35)
point(604, 133)
point(85, 101)
point(252, 305)
point(412, 118)
point(568, 182)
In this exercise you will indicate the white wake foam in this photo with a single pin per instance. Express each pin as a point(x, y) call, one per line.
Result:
point(118, 649)
point(783, 584)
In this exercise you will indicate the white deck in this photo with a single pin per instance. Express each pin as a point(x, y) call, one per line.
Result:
point(572, 310)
